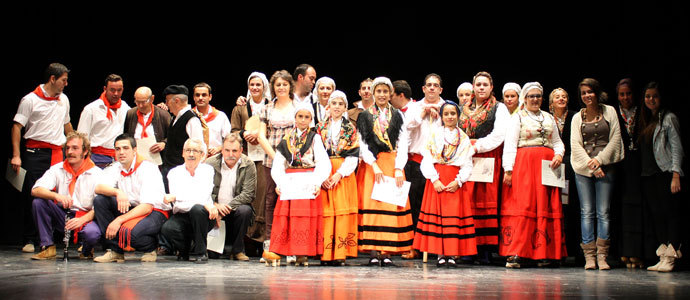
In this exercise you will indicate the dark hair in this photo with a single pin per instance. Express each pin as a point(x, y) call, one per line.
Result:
point(483, 74)
point(624, 81)
point(402, 87)
point(450, 103)
point(54, 69)
point(593, 84)
point(440, 81)
point(128, 137)
point(648, 119)
point(112, 78)
point(284, 75)
point(365, 80)
point(202, 85)
point(300, 70)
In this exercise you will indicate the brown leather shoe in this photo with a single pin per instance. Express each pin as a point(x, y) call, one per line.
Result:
point(411, 255)
point(240, 256)
point(46, 253)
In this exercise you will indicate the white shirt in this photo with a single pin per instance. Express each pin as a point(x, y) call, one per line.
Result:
point(218, 128)
point(227, 183)
point(101, 131)
point(307, 99)
point(191, 190)
point(145, 185)
point(84, 188)
point(464, 161)
point(350, 163)
point(193, 127)
point(513, 137)
point(43, 120)
point(149, 129)
point(497, 136)
point(400, 156)
point(420, 130)
point(322, 168)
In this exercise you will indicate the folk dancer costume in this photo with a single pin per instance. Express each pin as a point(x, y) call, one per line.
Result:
point(80, 185)
point(512, 86)
point(531, 213)
point(487, 124)
point(238, 120)
point(298, 223)
point(320, 113)
point(340, 204)
point(384, 141)
point(102, 122)
point(43, 119)
point(446, 225)
point(143, 184)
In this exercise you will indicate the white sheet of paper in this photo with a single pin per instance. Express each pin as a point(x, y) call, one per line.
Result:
point(552, 177)
point(16, 179)
point(215, 240)
point(482, 169)
point(255, 152)
point(297, 186)
point(143, 146)
point(388, 192)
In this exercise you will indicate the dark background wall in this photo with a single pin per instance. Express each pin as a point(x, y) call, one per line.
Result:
point(556, 44)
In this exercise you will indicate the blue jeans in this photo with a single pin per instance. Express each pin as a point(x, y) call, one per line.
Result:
point(595, 197)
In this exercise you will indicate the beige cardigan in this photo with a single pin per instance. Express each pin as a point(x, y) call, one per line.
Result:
point(612, 153)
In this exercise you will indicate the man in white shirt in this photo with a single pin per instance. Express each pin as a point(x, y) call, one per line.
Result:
point(75, 181)
point(234, 190)
point(367, 100)
point(420, 118)
point(305, 78)
point(191, 185)
point(129, 208)
point(216, 120)
point(103, 120)
point(44, 115)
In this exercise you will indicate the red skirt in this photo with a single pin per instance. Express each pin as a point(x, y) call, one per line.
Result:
point(298, 225)
point(383, 226)
point(531, 214)
point(484, 201)
point(445, 225)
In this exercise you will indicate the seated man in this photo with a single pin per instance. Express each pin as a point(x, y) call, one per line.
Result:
point(194, 214)
point(130, 204)
point(75, 181)
point(234, 187)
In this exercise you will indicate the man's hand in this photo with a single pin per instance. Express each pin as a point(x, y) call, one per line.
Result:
point(168, 198)
point(122, 202)
point(223, 209)
point(212, 211)
point(113, 229)
point(65, 200)
point(16, 163)
point(157, 147)
point(74, 223)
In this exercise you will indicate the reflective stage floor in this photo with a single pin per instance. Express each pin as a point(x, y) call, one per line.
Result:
point(21, 278)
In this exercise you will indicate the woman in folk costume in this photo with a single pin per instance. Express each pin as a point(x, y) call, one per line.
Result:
point(323, 88)
point(531, 213)
point(511, 97)
point(484, 120)
point(298, 223)
point(340, 203)
point(384, 228)
point(445, 225)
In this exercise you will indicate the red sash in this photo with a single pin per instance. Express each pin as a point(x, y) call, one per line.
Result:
point(55, 155)
point(103, 151)
point(125, 233)
point(140, 119)
point(79, 214)
point(109, 106)
point(39, 92)
point(416, 157)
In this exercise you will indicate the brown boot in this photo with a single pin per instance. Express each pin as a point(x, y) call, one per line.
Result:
point(661, 253)
point(46, 253)
point(590, 250)
point(671, 256)
point(603, 253)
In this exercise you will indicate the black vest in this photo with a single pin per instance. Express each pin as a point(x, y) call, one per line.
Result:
point(177, 135)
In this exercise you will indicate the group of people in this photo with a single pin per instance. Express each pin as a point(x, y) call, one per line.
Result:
point(294, 168)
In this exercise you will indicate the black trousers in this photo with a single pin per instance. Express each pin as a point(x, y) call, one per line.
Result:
point(663, 211)
point(413, 174)
point(183, 229)
point(35, 161)
point(236, 224)
point(144, 236)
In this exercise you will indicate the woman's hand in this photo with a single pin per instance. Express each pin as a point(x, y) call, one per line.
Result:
point(378, 174)
point(399, 178)
point(599, 173)
point(675, 183)
point(593, 164)
point(438, 186)
point(452, 186)
point(508, 178)
point(556, 161)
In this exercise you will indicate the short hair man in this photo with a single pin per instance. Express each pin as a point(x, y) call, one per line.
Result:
point(305, 78)
point(129, 208)
point(366, 101)
point(74, 181)
point(147, 120)
point(216, 120)
point(402, 95)
point(234, 189)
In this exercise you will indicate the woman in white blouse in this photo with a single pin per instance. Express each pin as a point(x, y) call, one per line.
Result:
point(531, 213)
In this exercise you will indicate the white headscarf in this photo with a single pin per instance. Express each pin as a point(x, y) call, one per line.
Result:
point(322, 80)
point(382, 80)
point(337, 94)
point(530, 86)
point(464, 86)
point(267, 88)
point(304, 106)
point(512, 86)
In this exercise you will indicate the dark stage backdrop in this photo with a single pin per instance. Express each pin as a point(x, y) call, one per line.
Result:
point(557, 45)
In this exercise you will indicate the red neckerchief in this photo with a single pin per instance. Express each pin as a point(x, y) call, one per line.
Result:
point(109, 106)
point(39, 92)
point(137, 163)
point(140, 119)
point(211, 115)
point(85, 166)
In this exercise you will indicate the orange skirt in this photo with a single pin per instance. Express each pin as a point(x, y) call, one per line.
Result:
point(340, 207)
point(383, 226)
point(298, 225)
point(445, 225)
point(484, 201)
point(531, 213)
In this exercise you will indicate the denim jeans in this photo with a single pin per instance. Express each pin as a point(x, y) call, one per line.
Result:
point(595, 197)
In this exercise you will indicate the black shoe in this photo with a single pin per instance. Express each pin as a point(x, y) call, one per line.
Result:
point(374, 262)
point(451, 263)
point(387, 262)
point(441, 262)
point(162, 251)
point(182, 257)
point(201, 259)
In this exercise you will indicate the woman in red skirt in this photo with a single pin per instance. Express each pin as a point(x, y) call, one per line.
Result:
point(484, 120)
point(298, 223)
point(446, 226)
point(340, 202)
point(531, 214)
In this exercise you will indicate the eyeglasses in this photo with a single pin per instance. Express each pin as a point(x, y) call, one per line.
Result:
point(533, 97)
point(142, 102)
point(195, 151)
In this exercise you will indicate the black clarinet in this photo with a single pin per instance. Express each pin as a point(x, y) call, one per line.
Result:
point(65, 254)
